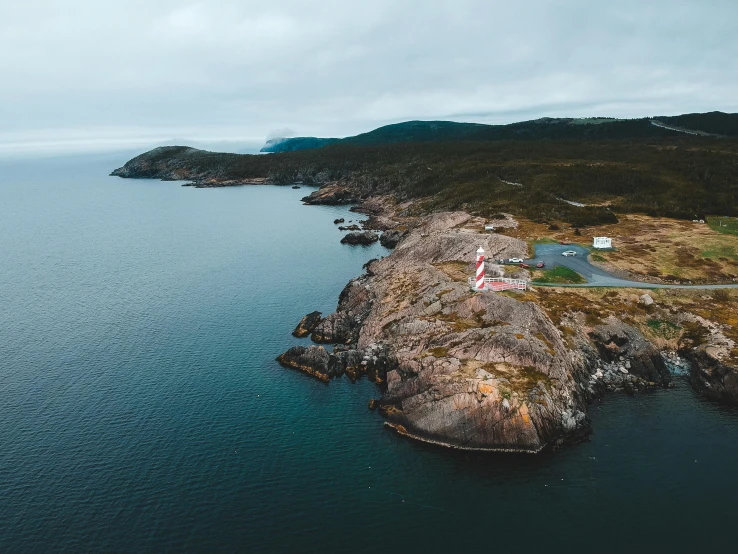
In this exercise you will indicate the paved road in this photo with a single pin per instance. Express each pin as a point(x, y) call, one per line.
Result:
point(681, 130)
point(550, 254)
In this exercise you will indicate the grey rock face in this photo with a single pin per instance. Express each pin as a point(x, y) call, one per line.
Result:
point(313, 360)
point(618, 341)
point(343, 326)
point(307, 324)
point(389, 239)
point(360, 237)
point(474, 370)
point(709, 376)
point(332, 194)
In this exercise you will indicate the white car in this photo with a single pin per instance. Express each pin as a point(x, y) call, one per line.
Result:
point(515, 261)
point(569, 253)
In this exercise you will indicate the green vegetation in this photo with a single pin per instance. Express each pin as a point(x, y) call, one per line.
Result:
point(664, 329)
point(721, 295)
point(558, 275)
point(528, 377)
point(583, 128)
point(591, 120)
point(633, 166)
point(438, 352)
point(717, 123)
point(725, 251)
point(727, 225)
point(694, 335)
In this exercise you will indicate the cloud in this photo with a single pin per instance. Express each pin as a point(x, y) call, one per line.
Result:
point(240, 69)
point(285, 132)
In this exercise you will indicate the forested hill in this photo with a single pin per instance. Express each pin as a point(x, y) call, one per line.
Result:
point(681, 176)
point(718, 124)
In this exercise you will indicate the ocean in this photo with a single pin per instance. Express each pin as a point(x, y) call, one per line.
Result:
point(141, 409)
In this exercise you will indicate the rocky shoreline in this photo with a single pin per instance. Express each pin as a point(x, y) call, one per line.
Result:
point(467, 370)
point(480, 371)
point(472, 371)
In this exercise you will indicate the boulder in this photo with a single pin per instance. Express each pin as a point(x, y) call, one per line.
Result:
point(617, 341)
point(312, 360)
point(710, 376)
point(307, 324)
point(360, 237)
point(389, 239)
point(332, 195)
point(343, 326)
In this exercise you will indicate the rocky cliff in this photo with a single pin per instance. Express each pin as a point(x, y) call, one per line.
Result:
point(469, 370)
point(511, 371)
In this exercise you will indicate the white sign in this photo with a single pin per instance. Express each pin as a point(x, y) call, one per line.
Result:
point(602, 242)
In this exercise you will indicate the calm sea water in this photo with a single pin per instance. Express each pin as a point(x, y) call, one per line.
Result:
point(141, 408)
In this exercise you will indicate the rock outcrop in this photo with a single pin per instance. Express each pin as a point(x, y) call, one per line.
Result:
point(313, 360)
point(360, 237)
point(307, 324)
point(711, 355)
point(618, 342)
point(489, 371)
point(332, 194)
point(317, 362)
point(711, 377)
point(392, 237)
point(463, 369)
point(343, 326)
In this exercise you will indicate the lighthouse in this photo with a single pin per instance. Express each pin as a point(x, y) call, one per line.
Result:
point(479, 282)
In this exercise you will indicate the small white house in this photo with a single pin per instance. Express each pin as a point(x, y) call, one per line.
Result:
point(602, 242)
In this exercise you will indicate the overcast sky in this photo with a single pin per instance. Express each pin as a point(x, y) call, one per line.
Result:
point(96, 73)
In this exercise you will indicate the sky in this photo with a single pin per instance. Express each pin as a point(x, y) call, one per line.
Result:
point(97, 74)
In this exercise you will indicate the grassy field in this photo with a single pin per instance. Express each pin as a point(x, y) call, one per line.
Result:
point(559, 275)
point(672, 250)
point(654, 248)
point(727, 225)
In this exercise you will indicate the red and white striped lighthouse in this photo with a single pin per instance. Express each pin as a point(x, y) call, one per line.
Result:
point(479, 283)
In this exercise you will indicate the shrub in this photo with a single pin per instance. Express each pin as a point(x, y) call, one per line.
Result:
point(721, 295)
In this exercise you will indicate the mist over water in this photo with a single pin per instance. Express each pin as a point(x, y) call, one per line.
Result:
point(141, 408)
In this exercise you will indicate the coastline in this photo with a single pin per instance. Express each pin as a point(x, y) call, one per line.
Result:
point(407, 375)
point(400, 430)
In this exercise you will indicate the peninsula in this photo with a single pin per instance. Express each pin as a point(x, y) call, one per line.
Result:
point(515, 370)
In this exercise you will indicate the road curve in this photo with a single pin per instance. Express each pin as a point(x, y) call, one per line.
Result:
point(550, 254)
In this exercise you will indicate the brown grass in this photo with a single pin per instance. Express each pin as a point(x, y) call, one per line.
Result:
point(652, 247)
point(660, 323)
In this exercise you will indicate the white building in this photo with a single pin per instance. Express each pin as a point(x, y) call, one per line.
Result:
point(602, 242)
